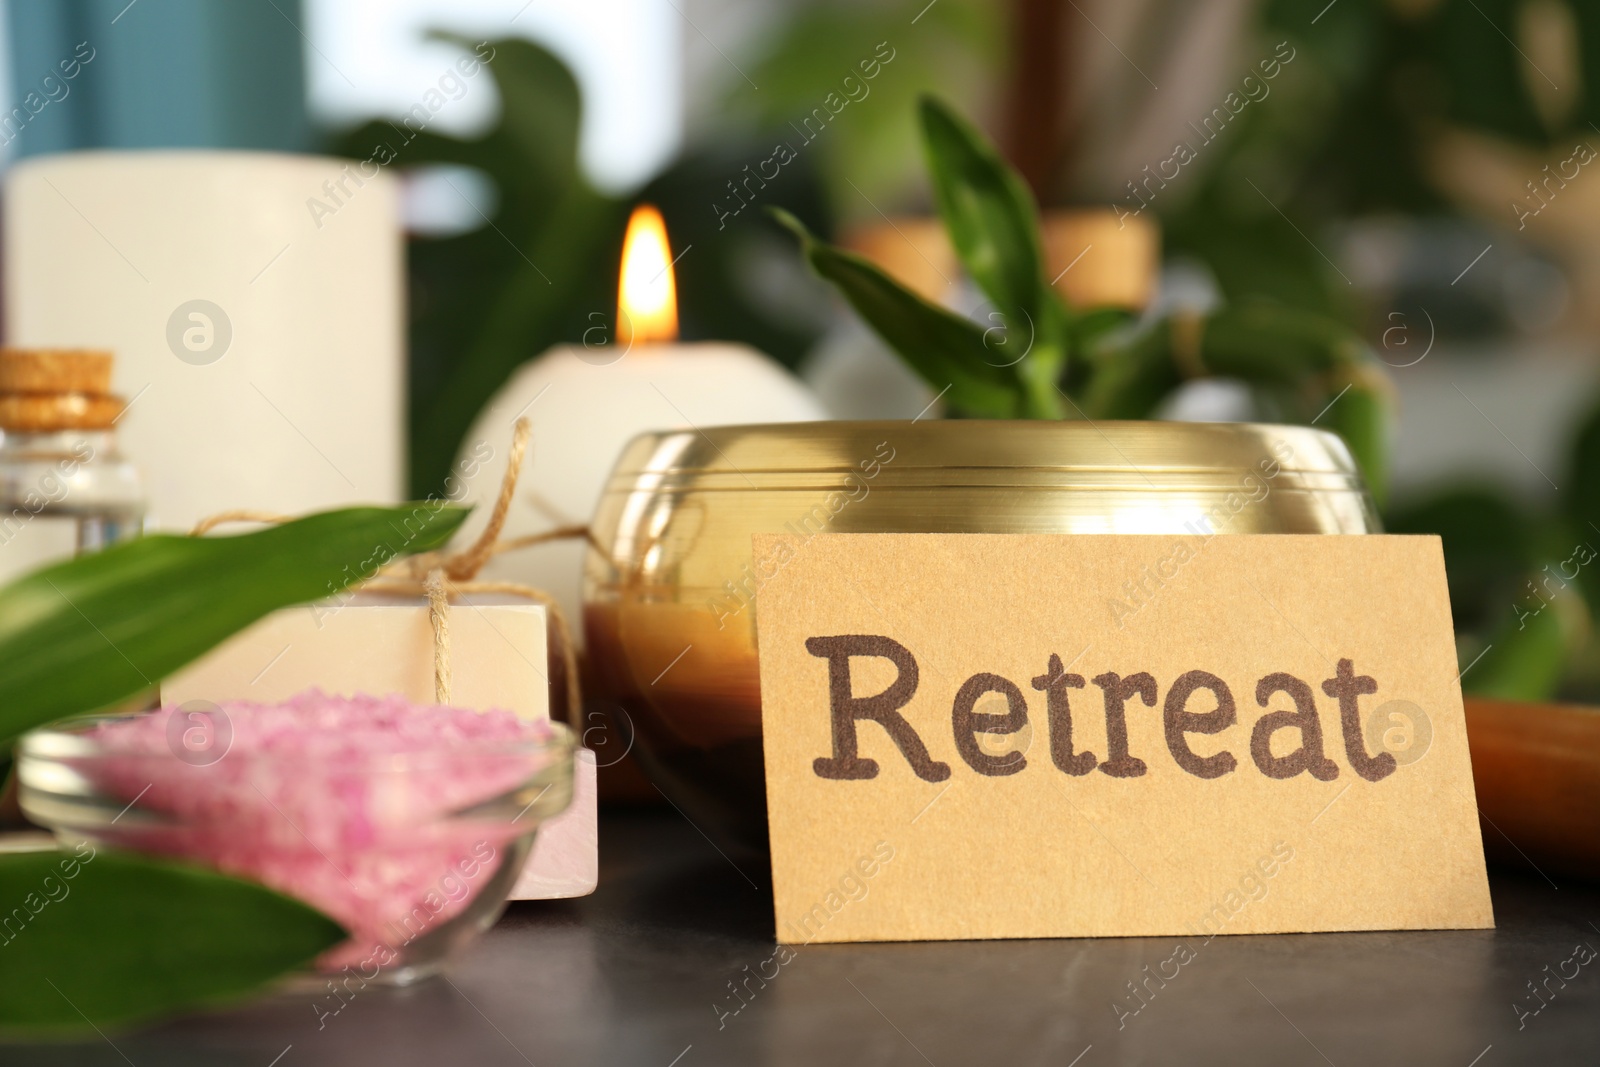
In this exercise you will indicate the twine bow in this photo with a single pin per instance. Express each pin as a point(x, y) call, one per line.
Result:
point(440, 575)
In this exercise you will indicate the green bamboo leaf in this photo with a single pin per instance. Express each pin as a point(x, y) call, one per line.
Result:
point(1046, 335)
point(100, 939)
point(1095, 324)
point(987, 209)
point(83, 634)
point(993, 223)
point(947, 350)
point(1132, 374)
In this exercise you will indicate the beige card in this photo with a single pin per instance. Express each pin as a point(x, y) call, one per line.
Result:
point(980, 736)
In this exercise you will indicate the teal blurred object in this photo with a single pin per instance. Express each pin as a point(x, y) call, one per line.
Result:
point(159, 74)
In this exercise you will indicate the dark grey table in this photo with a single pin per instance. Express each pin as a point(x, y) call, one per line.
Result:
point(640, 973)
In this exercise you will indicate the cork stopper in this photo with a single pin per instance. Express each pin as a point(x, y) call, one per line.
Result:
point(47, 389)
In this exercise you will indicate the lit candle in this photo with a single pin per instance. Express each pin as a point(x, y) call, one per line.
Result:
point(587, 401)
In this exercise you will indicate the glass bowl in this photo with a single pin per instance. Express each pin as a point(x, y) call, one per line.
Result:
point(671, 595)
point(413, 852)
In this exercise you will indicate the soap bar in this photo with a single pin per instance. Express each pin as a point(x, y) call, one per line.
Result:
point(381, 644)
point(566, 852)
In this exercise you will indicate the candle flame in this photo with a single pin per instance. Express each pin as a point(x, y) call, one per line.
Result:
point(647, 297)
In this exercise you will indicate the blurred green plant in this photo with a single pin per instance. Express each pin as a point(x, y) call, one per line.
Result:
point(1355, 134)
point(542, 268)
point(1354, 131)
point(484, 301)
point(1047, 360)
point(954, 46)
point(145, 937)
point(1524, 580)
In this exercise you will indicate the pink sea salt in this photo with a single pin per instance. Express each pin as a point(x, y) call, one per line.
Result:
point(350, 804)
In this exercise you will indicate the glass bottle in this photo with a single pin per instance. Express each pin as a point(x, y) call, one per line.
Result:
point(64, 486)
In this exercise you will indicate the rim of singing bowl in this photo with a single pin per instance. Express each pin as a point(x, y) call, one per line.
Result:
point(973, 452)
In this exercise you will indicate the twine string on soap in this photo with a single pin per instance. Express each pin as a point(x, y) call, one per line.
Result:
point(439, 617)
point(439, 576)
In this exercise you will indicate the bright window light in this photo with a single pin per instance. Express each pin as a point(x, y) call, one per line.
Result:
point(371, 58)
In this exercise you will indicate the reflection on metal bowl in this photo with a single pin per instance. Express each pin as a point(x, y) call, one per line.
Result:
point(671, 596)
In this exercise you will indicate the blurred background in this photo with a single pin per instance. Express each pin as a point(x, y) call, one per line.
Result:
point(1416, 169)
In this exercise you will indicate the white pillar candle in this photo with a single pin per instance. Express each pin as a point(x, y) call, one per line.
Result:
point(255, 305)
point(587, 402)
point(583, 413)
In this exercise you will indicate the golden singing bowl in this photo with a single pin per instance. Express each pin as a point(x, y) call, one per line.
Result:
point(670, 596)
